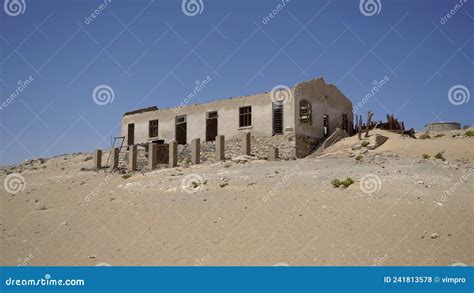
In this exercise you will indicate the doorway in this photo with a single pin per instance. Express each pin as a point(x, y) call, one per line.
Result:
point(277, 118)
point(181, 129)
point(326, 125)
point(131, 134)
point(211, 126)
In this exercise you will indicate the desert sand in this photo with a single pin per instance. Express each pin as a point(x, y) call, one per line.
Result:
point(402, 209)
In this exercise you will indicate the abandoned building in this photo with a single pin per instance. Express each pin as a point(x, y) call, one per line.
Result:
point(309, 113)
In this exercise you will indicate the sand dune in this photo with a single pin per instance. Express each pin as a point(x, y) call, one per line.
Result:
point(401, 210)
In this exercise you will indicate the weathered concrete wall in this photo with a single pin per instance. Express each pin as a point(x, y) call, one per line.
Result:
point(325, 99)
point(228, 119)
point(442, 126)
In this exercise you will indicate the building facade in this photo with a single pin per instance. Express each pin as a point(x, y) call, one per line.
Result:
point(309, 112)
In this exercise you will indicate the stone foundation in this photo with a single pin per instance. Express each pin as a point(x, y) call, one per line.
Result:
point(260, 148)
point(305, 145)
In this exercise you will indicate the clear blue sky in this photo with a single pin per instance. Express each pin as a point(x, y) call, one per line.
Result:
point(151, 53)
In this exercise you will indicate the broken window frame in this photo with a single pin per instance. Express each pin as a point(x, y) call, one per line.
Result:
point(245, 116)
point(305, 112)
point(153, 128)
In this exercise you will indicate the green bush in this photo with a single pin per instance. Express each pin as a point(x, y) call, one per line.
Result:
point(439, 135)
point(426, 156)
point(359, 157)
point(336, 182)
point(440, 156)
point(195, 184)
point(365, 143)
point(469, 133)
point(347, 182)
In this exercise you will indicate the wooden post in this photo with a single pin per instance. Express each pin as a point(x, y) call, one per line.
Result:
point(173, 154)
point(220, 147)
point(359, 128)
point(98, 159)
point(245, 148)
point(132, 158)
point(152, 152)
point(195, 151)
point(115, 158)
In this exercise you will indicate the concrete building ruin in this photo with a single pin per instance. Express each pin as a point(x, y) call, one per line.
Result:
point(306, 114)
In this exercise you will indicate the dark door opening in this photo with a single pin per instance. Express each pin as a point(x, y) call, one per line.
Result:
point(211, 126)
point(326, 125)
point(345, 124)
point(181, 126)
point(131, 134)
point(277, 118)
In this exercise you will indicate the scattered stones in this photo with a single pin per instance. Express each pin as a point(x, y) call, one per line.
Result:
point(434, 235)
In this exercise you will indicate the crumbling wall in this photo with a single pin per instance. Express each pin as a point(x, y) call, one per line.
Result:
point(260, 147)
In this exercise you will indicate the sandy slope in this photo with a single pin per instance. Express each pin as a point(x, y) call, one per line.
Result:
point(268, 213)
